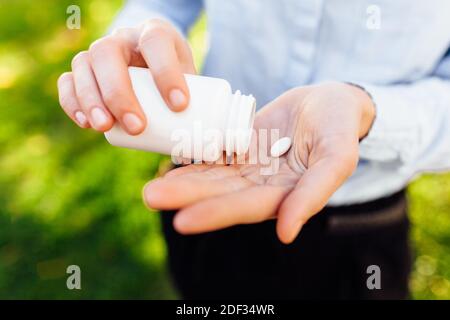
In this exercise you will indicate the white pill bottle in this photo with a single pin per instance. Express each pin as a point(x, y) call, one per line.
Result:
point(216, 120)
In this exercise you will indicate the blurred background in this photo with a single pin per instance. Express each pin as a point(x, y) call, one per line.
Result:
point(68, 197)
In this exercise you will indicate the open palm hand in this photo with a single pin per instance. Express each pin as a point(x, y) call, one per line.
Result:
point(324, 122)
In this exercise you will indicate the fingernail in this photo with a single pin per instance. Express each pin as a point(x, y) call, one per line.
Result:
point(132, 122)
point(81, 118)
point(177, 98)
point(99, 118)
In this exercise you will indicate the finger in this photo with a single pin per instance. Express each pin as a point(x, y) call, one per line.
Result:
point(88, 94)
point(110, 60)
point(192, 183)
point(181, 191)
point(129, 36)
point(159, 49)
point(311, 194)
point(192, 169)
point(251, 205)
point(186, 169)
point(69, 102)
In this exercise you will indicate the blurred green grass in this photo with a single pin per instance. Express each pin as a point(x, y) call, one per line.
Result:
point(67, 197)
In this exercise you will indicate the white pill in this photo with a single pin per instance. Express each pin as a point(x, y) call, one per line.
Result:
point(280, 147)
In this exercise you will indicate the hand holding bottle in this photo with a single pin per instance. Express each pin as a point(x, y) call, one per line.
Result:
point(98, 91)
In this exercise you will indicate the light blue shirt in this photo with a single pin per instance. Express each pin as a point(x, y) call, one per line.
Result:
point(396, 49)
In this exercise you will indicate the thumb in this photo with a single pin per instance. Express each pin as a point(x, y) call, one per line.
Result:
point(312, 193)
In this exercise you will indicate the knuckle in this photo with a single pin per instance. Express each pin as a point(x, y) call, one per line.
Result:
point(66, 76)
point(80, 57)
point(101, 46)
point(155, 22)
point(151, 32)
point(122, 32)
point(125, 38)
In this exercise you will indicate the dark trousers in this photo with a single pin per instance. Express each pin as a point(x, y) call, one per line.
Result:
point(328, 260)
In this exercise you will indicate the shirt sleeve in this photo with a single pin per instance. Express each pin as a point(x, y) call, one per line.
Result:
point(412, 126)
point(181, 13)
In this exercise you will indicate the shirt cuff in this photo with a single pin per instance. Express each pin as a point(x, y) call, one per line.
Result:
point(392, 131)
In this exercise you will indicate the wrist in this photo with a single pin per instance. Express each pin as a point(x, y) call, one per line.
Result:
point(367, 107)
